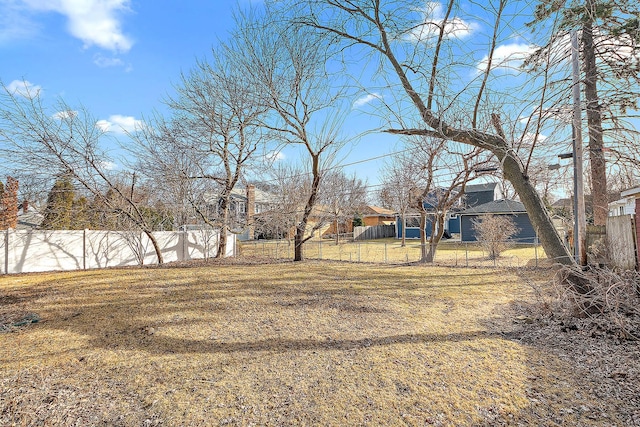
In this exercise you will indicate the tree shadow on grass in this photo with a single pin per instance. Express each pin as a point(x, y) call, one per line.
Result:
point(159, 344)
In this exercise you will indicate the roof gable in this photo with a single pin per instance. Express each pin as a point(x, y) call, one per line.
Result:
point(502, 206)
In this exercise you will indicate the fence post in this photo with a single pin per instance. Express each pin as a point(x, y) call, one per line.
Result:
point(466, 254)
point(6, 251)
point(84, 249)
point(385, 253)
point(536, 249)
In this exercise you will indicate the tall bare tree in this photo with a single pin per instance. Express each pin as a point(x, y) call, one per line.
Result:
point(212, 136)
point(288, 68)
point(418, 48)
point(342, 195)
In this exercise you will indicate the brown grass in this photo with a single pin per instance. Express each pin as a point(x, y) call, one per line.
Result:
point(279, 344)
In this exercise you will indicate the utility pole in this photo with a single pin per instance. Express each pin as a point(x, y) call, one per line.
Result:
point(579, 216)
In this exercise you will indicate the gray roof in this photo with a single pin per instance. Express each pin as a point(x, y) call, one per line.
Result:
point(29, 220)
point(474, 188)
point(496, 207)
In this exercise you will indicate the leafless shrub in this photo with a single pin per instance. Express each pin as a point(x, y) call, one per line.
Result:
point(609, 299)
point(493, 232)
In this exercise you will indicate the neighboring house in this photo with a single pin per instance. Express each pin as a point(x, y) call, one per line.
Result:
point(624, 206)
point(479, 194)
point(28, 217)
point(375, 215)
point(245, 205)
point(515, 210)
point(474, 195)
point(371, 216)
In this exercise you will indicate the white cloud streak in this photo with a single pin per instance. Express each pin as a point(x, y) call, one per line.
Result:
point(95, 22)
point(433, 16)
point(120, 124)
point(24, 88)
point(367, 99)
point(106, 62)
point(508, 56)
point(64, 115)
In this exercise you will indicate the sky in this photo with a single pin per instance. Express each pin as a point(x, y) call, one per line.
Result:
point(120, 58)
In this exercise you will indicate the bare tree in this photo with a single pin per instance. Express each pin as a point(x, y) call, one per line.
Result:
point(342, 195)
point(66, 141)
point(439, 192)
point(401, 177)
point(493, 232)
point(212, 136)
point(288, 68)
point(418, 49)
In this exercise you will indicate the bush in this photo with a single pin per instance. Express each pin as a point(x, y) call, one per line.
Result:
point(493, 233)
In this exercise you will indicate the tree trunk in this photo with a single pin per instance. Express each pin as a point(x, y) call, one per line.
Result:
point(551, 242)
point(594, 121)
point(311, 201)
point(156, 247)
point(298, 254)
point(224, 226)
point(423, 236)
point(436, 236)
point(403, 242)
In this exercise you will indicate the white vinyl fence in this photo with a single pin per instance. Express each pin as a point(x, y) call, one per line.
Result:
point(25, 251)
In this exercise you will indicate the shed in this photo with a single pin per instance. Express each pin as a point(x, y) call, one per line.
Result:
point(514, 209)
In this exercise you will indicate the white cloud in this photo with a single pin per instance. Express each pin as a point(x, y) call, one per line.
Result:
point(120, 124)
point(24, 88)
point(508, 56)
point(433, 19)
point(95, 22)
point(274, 156)
point(107, 165)
point(360, 102)
point(105, 62)
point(529, 137)
point(62, 115)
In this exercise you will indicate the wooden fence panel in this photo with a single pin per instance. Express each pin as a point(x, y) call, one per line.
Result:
point(373, 232)
point(621, 242)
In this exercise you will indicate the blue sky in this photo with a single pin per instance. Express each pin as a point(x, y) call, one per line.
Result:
point(119, 58)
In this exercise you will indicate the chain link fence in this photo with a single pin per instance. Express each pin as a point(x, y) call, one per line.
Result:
point(450, 253)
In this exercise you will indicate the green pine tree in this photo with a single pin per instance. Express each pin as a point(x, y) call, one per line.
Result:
point(59, 209)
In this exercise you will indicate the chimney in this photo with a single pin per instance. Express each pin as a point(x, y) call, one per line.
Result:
point(25, 206)
point(251, 209)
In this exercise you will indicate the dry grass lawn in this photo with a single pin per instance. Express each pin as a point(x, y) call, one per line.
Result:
point(316, 343)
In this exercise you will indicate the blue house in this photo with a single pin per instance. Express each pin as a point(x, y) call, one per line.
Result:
point(474, 195)
point(515, 210)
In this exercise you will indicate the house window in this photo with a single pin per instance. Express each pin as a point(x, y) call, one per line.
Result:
point(413, 222)
point(621, 210)
point(242, 207)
